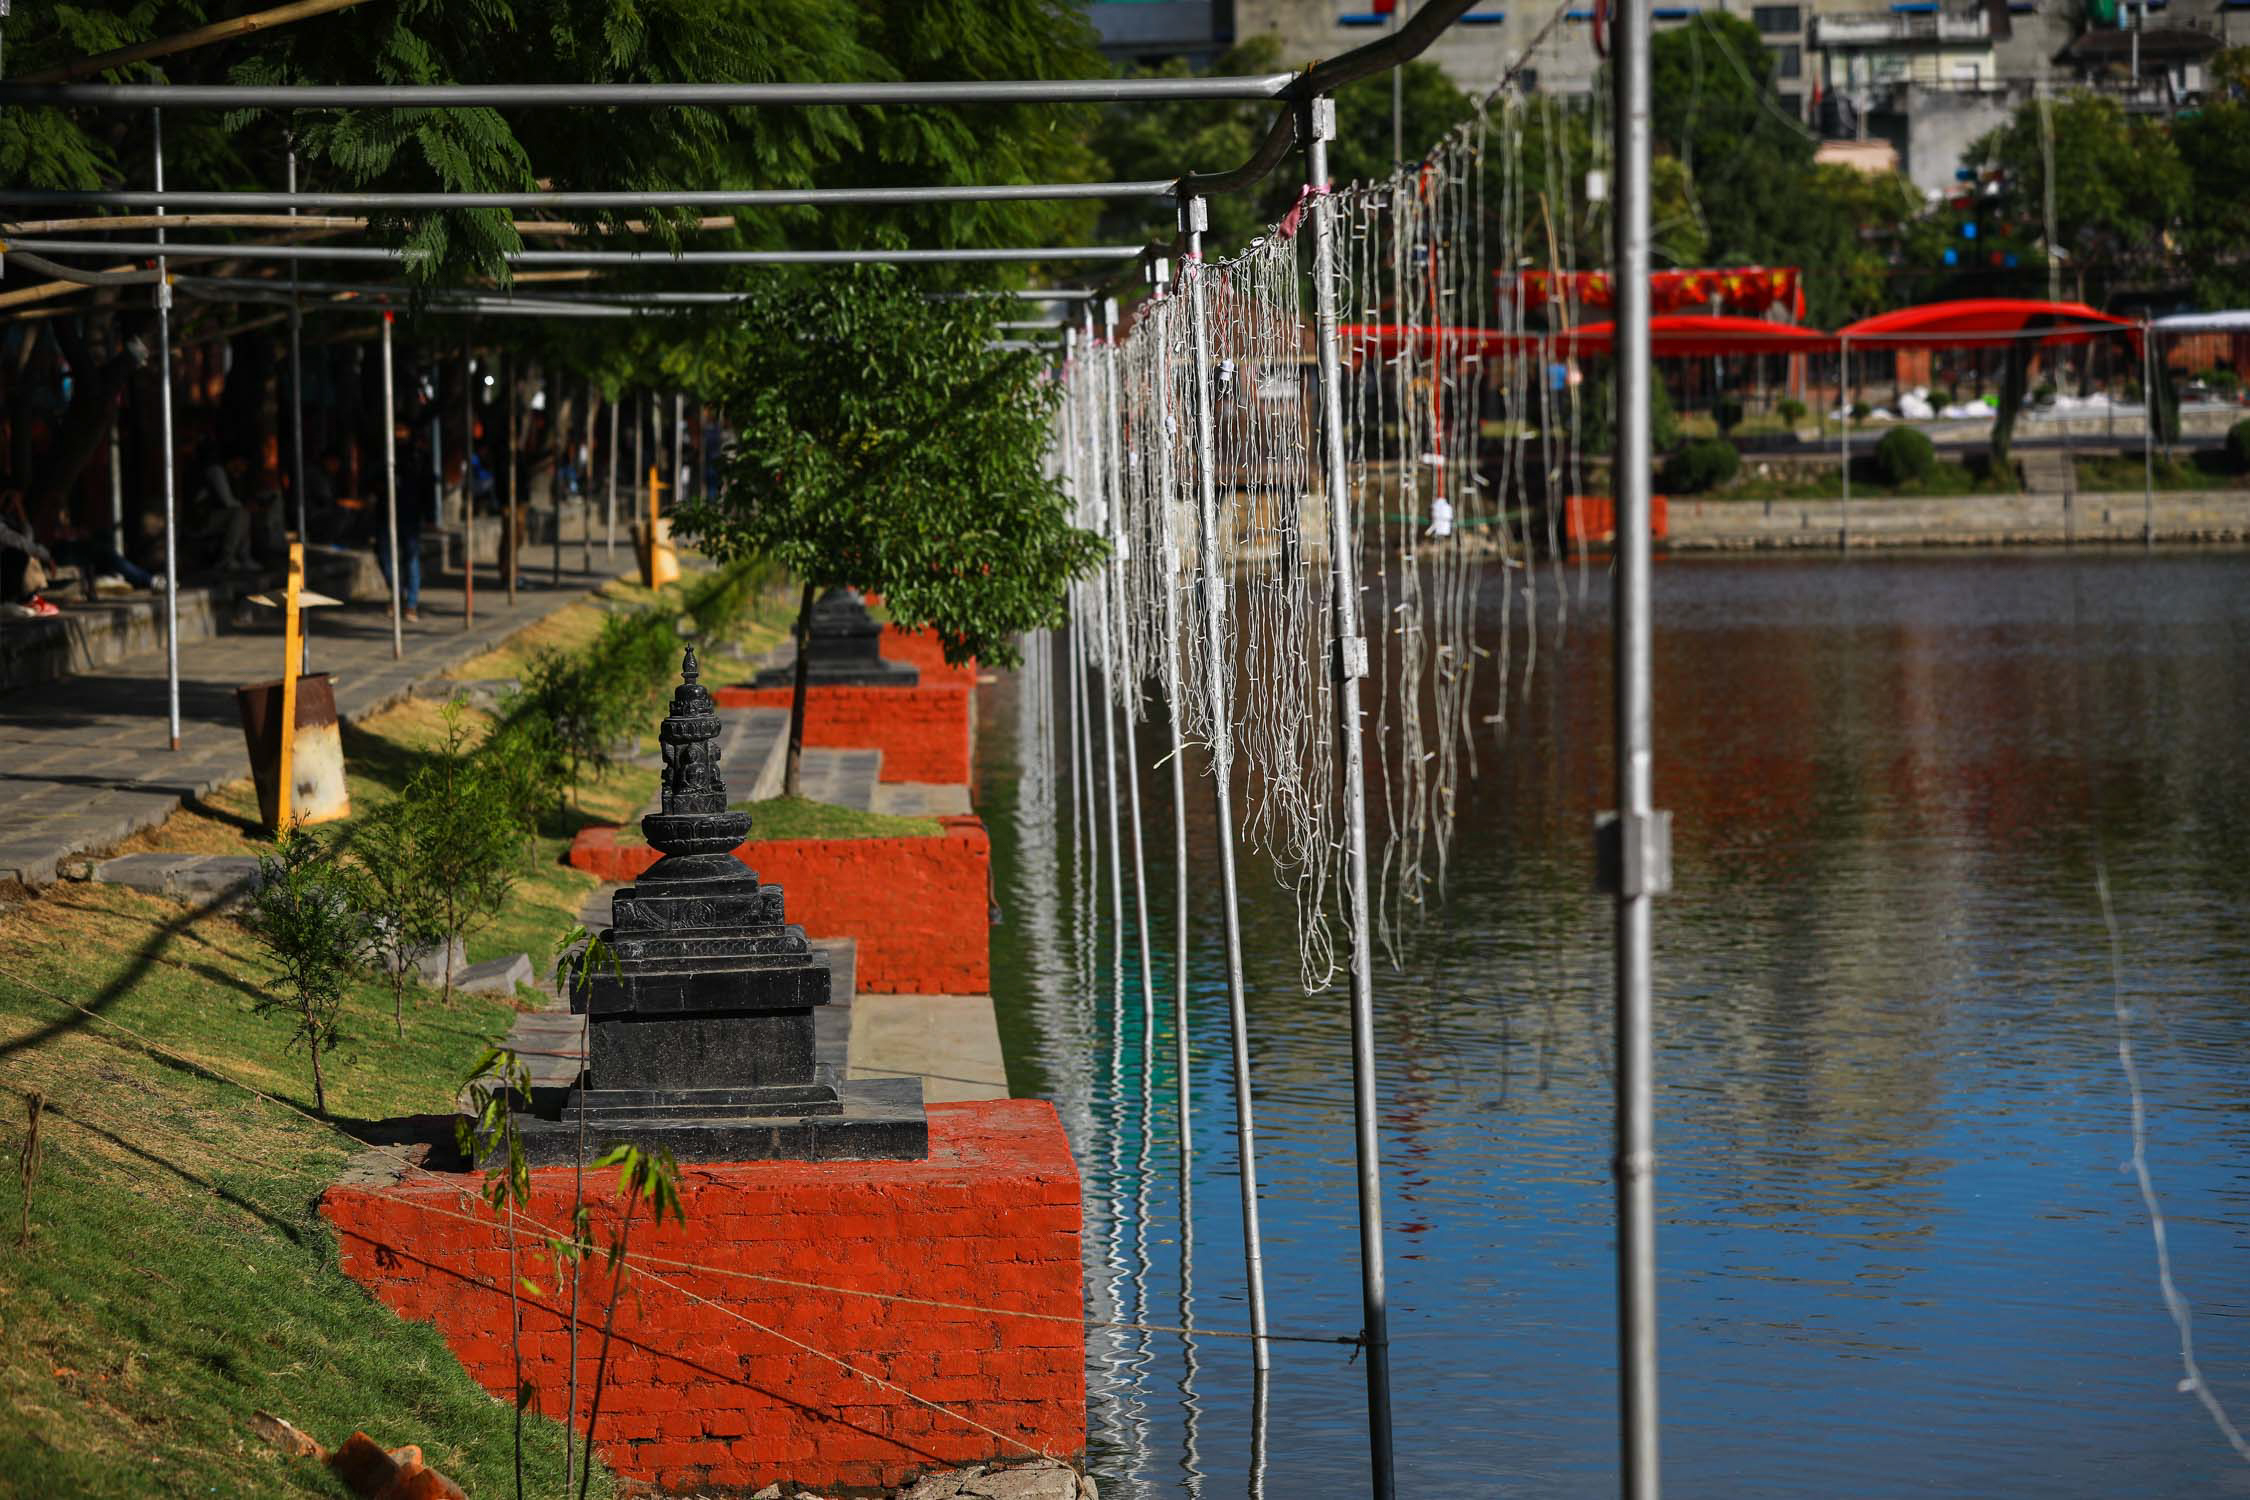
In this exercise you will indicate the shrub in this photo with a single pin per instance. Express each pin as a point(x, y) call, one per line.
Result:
point(1728, 413)
point(304, 914)
point(1792, 410)
point(2043, 394)
point(1861, 411)
point(2238, 446)
point(397, 891)
point(1905, 456)
point(1703, 464)
point(469, 826)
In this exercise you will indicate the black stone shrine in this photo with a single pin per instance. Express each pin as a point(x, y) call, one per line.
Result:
point(700, 1040)
point(844, 649)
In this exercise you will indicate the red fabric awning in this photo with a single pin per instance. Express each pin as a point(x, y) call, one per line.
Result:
point(1983, 323)
point(1738, 290)
point(1675, 336)
point(1699, 335)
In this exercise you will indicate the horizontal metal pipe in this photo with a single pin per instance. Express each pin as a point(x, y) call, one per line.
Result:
point(391, 255)
point(647, 95)
point(876, 197)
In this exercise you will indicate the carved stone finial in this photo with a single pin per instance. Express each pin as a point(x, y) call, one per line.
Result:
point(695, 819)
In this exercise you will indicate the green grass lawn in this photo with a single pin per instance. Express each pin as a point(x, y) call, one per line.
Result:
point(803, 818)
point(177, 1276)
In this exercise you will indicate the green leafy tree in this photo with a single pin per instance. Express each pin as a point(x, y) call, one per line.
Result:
point(469, 833)
point(2120, 186)
point(2214, 146)
point(1714, 109)
point(883, 443)
point(303, 912)
point(406, 904)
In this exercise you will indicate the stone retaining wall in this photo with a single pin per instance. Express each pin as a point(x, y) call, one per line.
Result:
point(923, 732)
point(698, 1398)
point(1965, 520)
point(920, 908)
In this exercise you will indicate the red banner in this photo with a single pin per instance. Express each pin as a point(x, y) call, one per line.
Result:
point(1741, 291)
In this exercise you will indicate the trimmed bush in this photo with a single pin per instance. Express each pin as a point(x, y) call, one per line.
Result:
point(1728, 413)
point(1703, 464)
point(1791, 410)
point(2238, 446)
point(1905, 456)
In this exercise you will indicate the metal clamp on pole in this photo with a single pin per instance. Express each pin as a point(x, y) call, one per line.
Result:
point(1349, 658)
point(1639, 865)
point(1195, 215)
point(1317, 120)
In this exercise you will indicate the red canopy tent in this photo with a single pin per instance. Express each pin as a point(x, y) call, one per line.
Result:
point(1984, 323)
point(1674, 336)
point(1740, 290)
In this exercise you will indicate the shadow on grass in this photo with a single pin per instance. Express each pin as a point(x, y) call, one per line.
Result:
point(291, 1231)
point(137, 965)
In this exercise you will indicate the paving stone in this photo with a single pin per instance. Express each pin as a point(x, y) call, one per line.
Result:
point(142, 872)
point(430, 961)
point(498, 976)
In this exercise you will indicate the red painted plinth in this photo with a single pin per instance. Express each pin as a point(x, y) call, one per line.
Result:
point(921, 908)
point(923, 732)
point(920, 648)
point(720, 1380)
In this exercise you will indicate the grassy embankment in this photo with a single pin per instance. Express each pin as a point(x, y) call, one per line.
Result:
point(177, 1276)
point(803, 818)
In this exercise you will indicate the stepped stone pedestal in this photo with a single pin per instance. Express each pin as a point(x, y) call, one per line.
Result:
point(700, 1033)
point(844, 649)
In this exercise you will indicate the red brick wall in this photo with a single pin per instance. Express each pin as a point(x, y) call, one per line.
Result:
point(920, 907)
point(696, 1396)
point(923, 732)
point(920, 648)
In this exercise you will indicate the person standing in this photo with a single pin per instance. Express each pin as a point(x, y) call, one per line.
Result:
point(415, 497)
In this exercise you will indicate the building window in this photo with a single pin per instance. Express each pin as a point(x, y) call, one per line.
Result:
point(1792, 105)
point(1788, 62)
point(1772, 19)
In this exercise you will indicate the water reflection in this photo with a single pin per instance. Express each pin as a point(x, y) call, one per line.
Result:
point(1898, 1254)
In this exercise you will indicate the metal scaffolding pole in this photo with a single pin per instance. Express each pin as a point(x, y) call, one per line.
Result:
point(171, 474)
point(468, 484)
point(586, 487)
point(1175, 683)
point(391, 255)
point(1348, 667)
point(297, 390)
point(558, 444)
point(397, 568)
point(609, 509)
point(1121, 665)
point(231, 96)
point(1641, 835)
point(1222, 770)
point(1105, 660)
point(510, 542)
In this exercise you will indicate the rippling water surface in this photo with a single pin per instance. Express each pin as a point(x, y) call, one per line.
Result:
point(1900, 1254)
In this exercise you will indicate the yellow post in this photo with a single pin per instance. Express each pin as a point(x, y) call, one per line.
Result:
point(291, 647)
point(659, 564)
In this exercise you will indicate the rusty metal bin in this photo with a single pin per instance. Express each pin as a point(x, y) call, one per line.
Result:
point(318, 793)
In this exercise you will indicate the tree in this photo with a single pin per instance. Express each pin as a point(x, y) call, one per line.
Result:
point(2214, 146)
point(1713, 107)
point(302, 911)
point(392, 844)
point(2120, 185)
point(883, 443)
point(467, 831)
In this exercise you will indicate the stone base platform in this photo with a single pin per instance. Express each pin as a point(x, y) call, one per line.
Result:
point(955, 1280)
point(876, 1119)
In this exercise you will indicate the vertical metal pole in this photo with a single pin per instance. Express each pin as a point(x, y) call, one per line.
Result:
point(609, 508)
point(639, 423)
point(171, 478)
point(1349, 666)
point(116, 484)
point(510, 543)
point(1120, 660)
point(586, 499)
point(2148, 434)
point(1106, 663)
point(390, 492)
point(679, 447)
point(1844, 438)
point(468, 486)
point(1176, 682)
point(559, 443)
point(1642, 843)
point(296, 373)
point(1222, 789)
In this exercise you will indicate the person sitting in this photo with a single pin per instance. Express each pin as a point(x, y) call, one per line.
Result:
point(226, 516)
point(23, 561)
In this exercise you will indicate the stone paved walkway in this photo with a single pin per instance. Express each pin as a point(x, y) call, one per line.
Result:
point(84, 763)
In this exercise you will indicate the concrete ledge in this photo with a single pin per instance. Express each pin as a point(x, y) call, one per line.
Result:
point(2045, 519)
point(85, 636)
point(949, 1042)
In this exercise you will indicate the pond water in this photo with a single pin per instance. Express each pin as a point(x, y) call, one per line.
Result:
point(1901, 1253)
